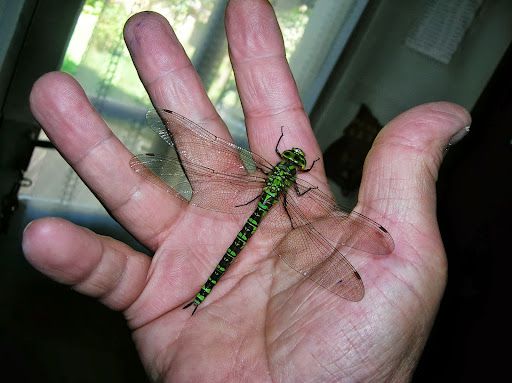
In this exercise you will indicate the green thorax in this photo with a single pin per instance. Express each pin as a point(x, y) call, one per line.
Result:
point(284, 174)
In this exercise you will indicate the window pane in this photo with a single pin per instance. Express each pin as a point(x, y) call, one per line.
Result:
point(98, 59)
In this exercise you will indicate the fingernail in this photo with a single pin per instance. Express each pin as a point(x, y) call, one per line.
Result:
point(459, 135)
point(28, 225)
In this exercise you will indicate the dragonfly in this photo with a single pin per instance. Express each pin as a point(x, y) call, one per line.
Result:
point(309, 230)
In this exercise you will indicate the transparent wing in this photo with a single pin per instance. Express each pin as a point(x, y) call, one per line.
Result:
point(344, 227)
point(321, 231)
point(309, 253)
point(200, 167)
point(227, 193)
point(195, 145)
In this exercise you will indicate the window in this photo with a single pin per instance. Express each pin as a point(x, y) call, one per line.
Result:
point(315, 33)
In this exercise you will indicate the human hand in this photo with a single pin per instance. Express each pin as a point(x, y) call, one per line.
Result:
point(245, 331)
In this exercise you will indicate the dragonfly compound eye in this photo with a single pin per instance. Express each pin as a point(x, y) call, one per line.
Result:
point(296, 156)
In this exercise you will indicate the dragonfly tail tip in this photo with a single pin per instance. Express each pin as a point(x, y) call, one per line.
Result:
point(190, 304)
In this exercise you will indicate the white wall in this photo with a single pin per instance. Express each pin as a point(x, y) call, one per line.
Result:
point(380, 70)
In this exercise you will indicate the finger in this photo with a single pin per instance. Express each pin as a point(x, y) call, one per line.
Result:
point(94, 265)
point(401, 168)
point(100, 159)
point(167, 73)
point(268, 92)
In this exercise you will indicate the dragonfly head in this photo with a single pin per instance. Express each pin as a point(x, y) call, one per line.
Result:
point(297, 156)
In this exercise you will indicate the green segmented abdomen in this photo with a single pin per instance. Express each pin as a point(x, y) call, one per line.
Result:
point(266, 201)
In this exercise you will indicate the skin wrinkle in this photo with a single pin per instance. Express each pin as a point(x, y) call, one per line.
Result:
point(323, 366)
point(130, 197)
point(401, 142)
point(294, 348)
point(111, 289)
point(239, 342)
point(421, 126)
point(422, 303)
point(234, 288)
point(316, 288)
point(149, 83)
point(347, 354)
point(242, 278)
point(278, 339)
point(366, 363)
point(202, 119)
point(293, 324)
point(118, 281)
point(266, 338)
point(253, 117)
point(238, 57)
point(241, 63)
point(435, 116)
point(237, 361)
point(331, 364)
point(413, 149)
point(414, 291)
point(141, 282)
point(75, 106)
point(149, 321)
point(432, 168)
point(383, 369)
point(388, 298)
point(160, 359)
point(403, 360)
point(109, 136)
point(149, 276)
point(421, 325)
point(362, 358)
point(442, 117)
point(88, 275)
point(255, 39)
point(163, 365)
point(258, 85)
point(261, 30)
point(155, 241)
point(74, 95)
point(418, 231)
point(245, 71)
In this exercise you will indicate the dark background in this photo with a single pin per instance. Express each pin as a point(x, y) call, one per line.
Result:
point(471, 336)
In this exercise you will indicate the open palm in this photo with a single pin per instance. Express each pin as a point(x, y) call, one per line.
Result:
point(261, 323)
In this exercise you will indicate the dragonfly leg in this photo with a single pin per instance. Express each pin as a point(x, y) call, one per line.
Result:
point(299, 193)
point(311, 167)
point(251, 201)
point(286, 210)
point(262, 170)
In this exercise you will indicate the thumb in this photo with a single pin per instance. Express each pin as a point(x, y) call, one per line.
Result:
point(401, 168)
point(398, 185)
point(398, 190)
